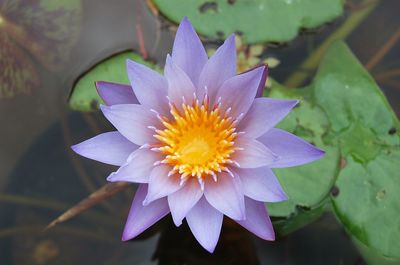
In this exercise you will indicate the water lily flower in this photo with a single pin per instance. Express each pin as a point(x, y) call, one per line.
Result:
point(199, 140)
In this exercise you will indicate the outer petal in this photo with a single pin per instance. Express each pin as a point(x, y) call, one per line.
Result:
point(149, 86)
point(179, 84)
point(292, 150)
point(205, 222)
point(238, 92)
point(257, 220)
point(138, 167)
point(226, 196)
point(142, 217)
point(253, 155)
point(160, 184)
point(188, 51)
point(182, 201)
point(264, 114)
point(220, 67)
point(260, 184)
point(261, 86)
point(113, 93)
point(132, 121)
point(110, 148)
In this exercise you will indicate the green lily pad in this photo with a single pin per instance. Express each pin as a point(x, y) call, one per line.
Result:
point(307, 186)
point(257, 21)
point(345, 113)
point(367, 131)
point(84, 95)
point(368, 202)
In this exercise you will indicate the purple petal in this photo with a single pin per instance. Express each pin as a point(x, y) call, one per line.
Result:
point(254, 154)
point(142, 217)
point(113, 93)
point(226, 196)
point(257, 220)
point(149, 86)
point(132, 121)
point(261, 184)
point(292, 150)
point(264, 114)
point(188, 51)
point(239, 91)
point(205, 222)
point(261, 86)
point(110, 148)
point(138, 167)
point(179, 84)
point(220, 67)
point(182, 201)
point(160, 184)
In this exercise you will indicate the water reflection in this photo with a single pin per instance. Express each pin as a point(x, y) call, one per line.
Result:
point(42, 178)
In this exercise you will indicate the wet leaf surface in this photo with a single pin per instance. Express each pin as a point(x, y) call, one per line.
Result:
point(256, 21)
point(346, 114)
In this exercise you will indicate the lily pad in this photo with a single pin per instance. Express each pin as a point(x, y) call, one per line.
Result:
point(45, 30)
point(367, 131)
point(368, 202)
point(257, 21)
point(345, 113)
point(307, 186)
point(84, 95)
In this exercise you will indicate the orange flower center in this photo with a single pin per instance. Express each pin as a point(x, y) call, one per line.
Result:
point(198, 141)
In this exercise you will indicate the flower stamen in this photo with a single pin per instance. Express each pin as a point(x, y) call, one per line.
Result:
point(198, 142)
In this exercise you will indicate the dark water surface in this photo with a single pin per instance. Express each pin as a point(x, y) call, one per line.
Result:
point(40, 177)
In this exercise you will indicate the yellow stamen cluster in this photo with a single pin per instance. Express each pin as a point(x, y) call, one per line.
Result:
point(198, 142)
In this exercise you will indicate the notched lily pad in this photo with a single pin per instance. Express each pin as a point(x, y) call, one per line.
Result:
point(256, 21)
point(84, 95)
point(367, 131)
point(368, 204)
point(345, 113)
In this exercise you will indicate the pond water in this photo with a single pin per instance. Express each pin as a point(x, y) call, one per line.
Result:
point(40, 177)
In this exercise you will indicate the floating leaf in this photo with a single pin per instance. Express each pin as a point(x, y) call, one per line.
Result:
point(368, 203)
point(113, 69)
point(367, 130)
point(257, 21)
point(345, 113)
point(46, 30)
point(307, 186)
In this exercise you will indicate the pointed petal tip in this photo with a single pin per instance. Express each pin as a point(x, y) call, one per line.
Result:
point(129, 62)
point(177, 223)
point(185, 20)
point(110, 178)
point(210, 249)
point(125, 238)
point(231, 38)
point(186, 25)
point(319, 153)
point(75, 148)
